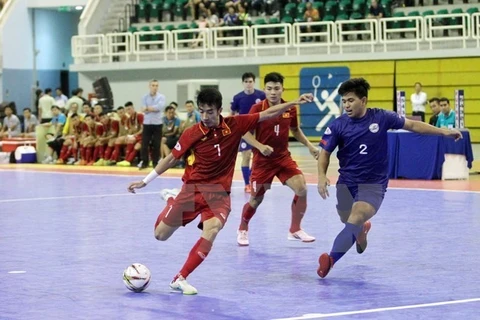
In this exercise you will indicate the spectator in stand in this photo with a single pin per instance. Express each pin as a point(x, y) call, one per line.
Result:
point(419, 100)
point(76, 98)
point(376, 11)
point(243, 16)
point(29, 123)
point(61, 99)
point(311, 15)
point(11, 124)
point(45, 106)
point(435, 106)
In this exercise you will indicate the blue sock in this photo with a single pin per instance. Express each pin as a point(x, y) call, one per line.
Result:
point(246, 174)
point(344, 241)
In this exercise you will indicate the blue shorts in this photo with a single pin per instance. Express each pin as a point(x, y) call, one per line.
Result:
point(244, 146)
point(347, 195)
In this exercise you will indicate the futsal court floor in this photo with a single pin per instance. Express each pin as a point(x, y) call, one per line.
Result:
point(67, 234)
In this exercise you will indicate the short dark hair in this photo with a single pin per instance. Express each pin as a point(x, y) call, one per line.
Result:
point(173, 103)
point(358, 86)
point(55, 107)
point(434, 99)
point(129, 104)
point(27, 109)
point(59, 89)
point(86, 103)
point(190, 101)
point(103, 113)
point(48, 90)
point(88, 116)
point(167, 108)
point(248, 75)
point(211, 97)
point(273, 77)
point(120, 108)
point(443, 99)
point(73, 115)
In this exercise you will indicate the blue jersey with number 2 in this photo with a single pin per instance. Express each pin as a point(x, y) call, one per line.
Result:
point(362, 145)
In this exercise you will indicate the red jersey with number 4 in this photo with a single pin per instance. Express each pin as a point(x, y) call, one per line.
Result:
point(211, 152)
point(274, 132)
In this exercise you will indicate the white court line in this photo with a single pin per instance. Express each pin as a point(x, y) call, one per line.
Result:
point(348, 313)
point(87, 196)
point(126, 175)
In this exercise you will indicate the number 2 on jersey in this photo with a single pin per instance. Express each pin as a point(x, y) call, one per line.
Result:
point(276, 129)
point(218, 149)
point(363, 149)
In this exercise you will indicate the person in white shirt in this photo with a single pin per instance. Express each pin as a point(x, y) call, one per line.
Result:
point(60, 99)
point(419, 101)
point(45, 106)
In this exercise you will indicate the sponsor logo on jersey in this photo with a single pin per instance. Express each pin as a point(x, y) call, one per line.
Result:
point(328, 131)
point(178, 147)
point(374, 127)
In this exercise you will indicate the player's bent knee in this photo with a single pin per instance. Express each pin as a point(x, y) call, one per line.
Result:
point(255, 201)
point(361, 212)
point(163, 232)
point(211, 228)
point(301, 190)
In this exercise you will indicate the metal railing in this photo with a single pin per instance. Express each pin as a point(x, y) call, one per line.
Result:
point(439, 27)
point(305, 35)
point(475, 24)
point(263, 35)
point(394, 30)
point(372, 34)
point(89, 46)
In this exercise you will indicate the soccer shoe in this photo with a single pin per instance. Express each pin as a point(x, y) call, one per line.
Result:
point(169, 193)
point(60, 161)
point(362, 237)
point(181, 285)
point(242, 238)
point(300, 235)
point(124, 163)
point(100, 162)
point(248, 189)
point(71, 161)
point(48, 160)
point(326, 264)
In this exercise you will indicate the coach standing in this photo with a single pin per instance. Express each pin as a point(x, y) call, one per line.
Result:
point(153, 105)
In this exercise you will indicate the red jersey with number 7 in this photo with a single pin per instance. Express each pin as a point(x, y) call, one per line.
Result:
point(274, 132)
point(211, 152)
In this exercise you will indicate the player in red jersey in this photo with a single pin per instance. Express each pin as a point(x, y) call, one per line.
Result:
point(134, 138)
point(91, 132)
point(271, 159)
point(110, 134)
point(211, 148)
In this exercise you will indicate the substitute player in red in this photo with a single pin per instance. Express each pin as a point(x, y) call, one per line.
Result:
point(211, 148)
point(271, 159)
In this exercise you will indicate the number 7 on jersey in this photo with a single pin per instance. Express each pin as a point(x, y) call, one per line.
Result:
point(218, 149)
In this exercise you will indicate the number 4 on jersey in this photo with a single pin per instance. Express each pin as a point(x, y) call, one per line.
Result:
point(276, 129)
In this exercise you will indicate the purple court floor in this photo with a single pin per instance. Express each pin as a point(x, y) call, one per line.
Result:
point(65, 240)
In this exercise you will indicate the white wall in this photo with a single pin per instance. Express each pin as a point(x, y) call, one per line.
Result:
point(55, 3)
point(18, 53)
point(132, 85)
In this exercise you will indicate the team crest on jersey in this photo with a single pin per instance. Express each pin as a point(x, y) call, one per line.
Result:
point(178, 147)
point(374, 127)
point(258, 100)
point(328, 131)
point(286, 115)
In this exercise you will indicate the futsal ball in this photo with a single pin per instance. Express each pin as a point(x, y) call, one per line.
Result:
point(136, 277)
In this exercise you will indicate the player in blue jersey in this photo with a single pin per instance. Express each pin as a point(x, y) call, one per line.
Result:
point(241, 104)
point(361, 136)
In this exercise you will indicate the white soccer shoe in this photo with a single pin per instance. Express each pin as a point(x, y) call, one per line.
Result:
point(242, 238)
point(169, 193)
point(300, 235)
point(181, 285)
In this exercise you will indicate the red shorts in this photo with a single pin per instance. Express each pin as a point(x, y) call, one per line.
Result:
point(263, 174)
point(190, 203)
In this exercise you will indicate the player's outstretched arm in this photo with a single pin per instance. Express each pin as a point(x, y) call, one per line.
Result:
point(263, 148)
point(425, 128)
point(277, 110)
point(300, 136)
point(165, 164)
point(323, 182)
